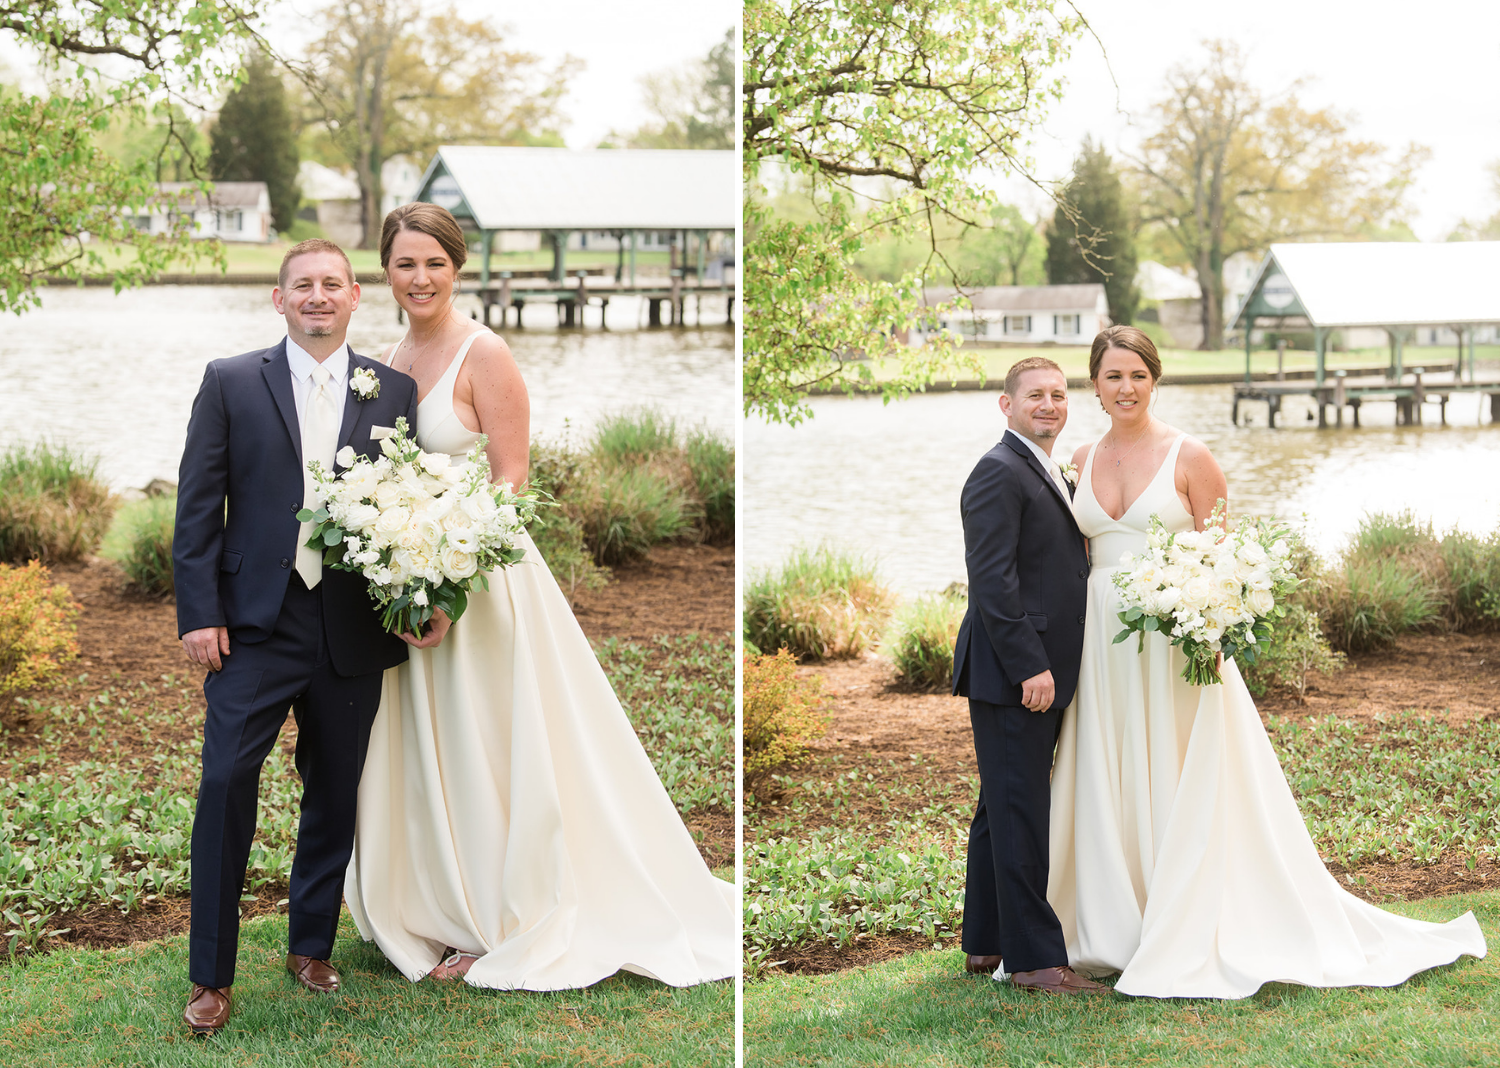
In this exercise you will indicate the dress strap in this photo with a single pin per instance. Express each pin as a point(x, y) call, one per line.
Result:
point(450, 376)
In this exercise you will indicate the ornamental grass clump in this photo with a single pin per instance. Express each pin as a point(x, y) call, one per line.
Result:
point(921, 641)
point(556, 470)
point(38, 634)
point(780, 715)
point(710, 461)
point(634, 437)
point(141, 543)
point(53, 506)
point(821, 604)
point(1391, 580)
point(625, 511)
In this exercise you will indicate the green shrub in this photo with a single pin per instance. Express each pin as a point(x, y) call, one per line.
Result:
point(53, 507)
point(1371, 601)
point(633, 437)
point(1473, 570)
point(625, 511)
point(710, 460)
point(921, 643)
point(37, 629)
point(780, 715)
point(822, 603)
point(555, 465)
point(1381, 535)
point(140, 541)
point(559, 538)
point(1297, 648)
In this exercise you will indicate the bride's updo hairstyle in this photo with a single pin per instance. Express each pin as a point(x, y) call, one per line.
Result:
point(1115, 337)
point(437, 223)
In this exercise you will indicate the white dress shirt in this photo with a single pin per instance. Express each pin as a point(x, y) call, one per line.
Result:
point(302, 364)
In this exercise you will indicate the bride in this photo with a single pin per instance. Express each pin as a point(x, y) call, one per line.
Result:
point(1178, 855)
point(511, 829)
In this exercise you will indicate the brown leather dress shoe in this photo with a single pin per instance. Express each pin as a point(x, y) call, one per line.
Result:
point(1057, 981)
point(207, 1009)
point(317, 975)
point(981, 965)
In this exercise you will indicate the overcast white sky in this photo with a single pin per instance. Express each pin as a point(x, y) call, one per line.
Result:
point(1427, 72)
point(617, 41)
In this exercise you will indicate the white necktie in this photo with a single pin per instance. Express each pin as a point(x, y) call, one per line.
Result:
point(320, 429)
point(1057, 476)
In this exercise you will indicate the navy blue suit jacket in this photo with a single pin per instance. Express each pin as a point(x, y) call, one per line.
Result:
point(1028, 580)
point(244, 451)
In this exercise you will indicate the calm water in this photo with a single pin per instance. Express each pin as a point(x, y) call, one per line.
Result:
point(116, 375)
point(885, 480)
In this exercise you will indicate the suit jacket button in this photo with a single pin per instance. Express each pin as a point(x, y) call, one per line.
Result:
point(1080, 618)
point(1084, 573)
point(287, 563)
point(296, 507)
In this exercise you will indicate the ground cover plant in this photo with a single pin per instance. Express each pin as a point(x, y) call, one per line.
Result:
point(96, 796)
point(864, 846)
point(922, 1009)
point(53, 506)
point(820, 603)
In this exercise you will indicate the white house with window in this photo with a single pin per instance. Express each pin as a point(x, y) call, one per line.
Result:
point(1023, 315)
point(235, 211)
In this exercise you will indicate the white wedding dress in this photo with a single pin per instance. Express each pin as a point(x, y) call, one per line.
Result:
point(507, 808)
point(1178, 855)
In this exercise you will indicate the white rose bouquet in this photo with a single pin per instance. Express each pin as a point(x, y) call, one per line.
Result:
point(422, 529)
point(1213, 592)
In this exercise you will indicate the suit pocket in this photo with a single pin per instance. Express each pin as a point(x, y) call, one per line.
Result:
point(1037, 620)
point(229, 561)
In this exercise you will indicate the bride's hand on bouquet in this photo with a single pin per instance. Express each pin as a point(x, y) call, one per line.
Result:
point(437, 630)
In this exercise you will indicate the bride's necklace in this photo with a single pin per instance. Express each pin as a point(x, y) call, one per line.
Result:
point(1138, 438)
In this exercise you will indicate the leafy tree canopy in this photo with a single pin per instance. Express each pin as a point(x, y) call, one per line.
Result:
point(393, 81)
point(255, 138)
point(1227, 170)
point(887, 110)
point(63, 198)
point(693, 108)
point(1106, 250)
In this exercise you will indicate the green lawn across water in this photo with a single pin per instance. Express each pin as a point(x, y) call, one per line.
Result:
point(266, 259)
point(922, 1009)
point(122, 1007)
point(1074, 360)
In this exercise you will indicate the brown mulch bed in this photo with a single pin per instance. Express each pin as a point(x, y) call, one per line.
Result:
point(876, 723)
point(126, 639)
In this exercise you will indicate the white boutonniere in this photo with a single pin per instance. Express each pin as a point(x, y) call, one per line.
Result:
point(365, 384)
point(1069, 474)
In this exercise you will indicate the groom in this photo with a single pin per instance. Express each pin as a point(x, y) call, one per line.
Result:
point(1017, 660)
point(273, 626)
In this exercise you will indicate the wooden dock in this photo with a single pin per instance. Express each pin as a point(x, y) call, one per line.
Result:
point(1411, 392)
point(666, 298)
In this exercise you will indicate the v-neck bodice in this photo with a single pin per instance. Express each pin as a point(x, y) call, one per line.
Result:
point(438, 427)
point(1109, 538)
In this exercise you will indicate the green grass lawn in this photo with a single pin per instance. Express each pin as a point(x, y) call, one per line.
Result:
point(266, 259)
point(922, 1009)
point(122, 1007)
point(96, 806)
point(1074, 360)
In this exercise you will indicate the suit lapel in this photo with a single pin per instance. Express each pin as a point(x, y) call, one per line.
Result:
point(351, 401)
point(1021, 449)
point(278, 376)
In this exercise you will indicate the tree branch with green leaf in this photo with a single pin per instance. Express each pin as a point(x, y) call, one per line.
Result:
point(889, 112)
point(64, 200)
